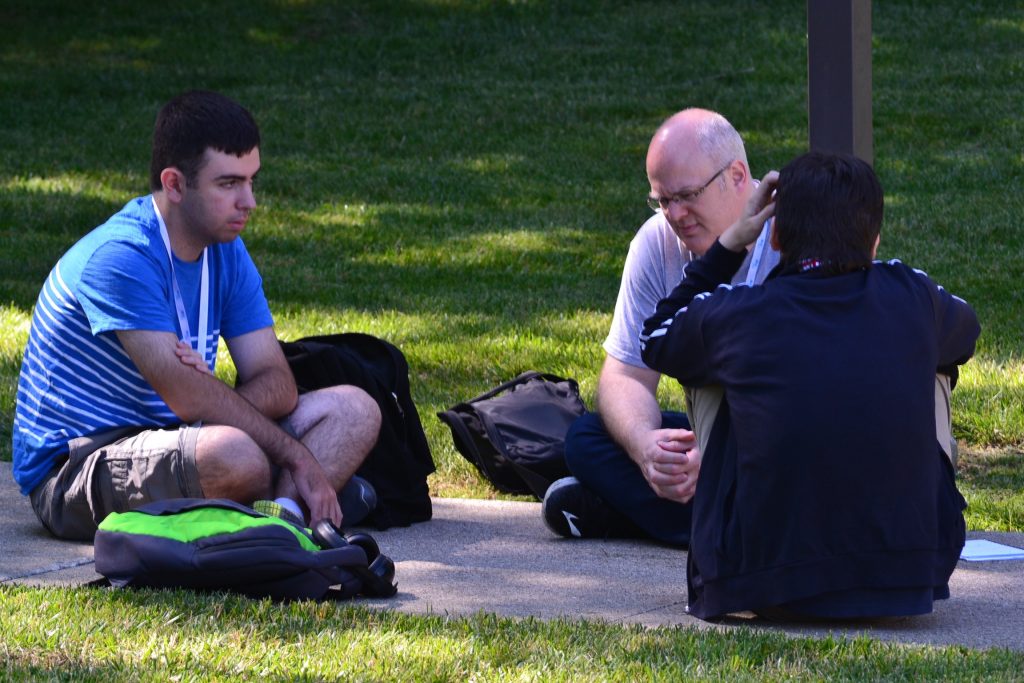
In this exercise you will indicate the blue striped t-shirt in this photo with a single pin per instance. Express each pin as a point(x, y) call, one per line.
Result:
point(76, 379)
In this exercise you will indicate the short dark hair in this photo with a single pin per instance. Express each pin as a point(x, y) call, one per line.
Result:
point(828, 207)
point(193, 122)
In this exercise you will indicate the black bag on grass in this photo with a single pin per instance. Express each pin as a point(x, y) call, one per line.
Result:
point(216, 544)
point(400, 461)
point(515, 433)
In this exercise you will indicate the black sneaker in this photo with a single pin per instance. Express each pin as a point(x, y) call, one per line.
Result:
point(358, 499)
point(573, 511)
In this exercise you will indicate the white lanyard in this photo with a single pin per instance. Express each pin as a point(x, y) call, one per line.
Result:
point(755, 258)
point(179, 303)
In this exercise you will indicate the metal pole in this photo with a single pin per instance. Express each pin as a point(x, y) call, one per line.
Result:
point(839, 76)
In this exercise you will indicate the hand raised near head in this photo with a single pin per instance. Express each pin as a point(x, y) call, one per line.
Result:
point(760, 207)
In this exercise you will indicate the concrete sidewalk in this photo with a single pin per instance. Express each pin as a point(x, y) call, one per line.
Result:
point(499, 557)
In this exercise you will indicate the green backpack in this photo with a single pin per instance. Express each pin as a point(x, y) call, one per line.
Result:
point(215, 544)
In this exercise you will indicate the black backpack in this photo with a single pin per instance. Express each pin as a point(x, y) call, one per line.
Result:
point(217, 544)
point(400, 461)
point(514, 434)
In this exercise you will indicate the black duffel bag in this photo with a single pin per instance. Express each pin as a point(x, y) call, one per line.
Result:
point(514, 434)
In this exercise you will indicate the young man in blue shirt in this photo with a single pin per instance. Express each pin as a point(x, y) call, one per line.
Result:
point(117, 403)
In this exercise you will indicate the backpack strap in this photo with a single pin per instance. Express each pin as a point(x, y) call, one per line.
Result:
point(537, 483)
point(516, 381)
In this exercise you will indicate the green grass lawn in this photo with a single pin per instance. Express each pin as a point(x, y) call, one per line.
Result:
point(463, 178)
point(149, 635)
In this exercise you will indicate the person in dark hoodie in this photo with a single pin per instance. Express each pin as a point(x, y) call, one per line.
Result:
point(824, 492)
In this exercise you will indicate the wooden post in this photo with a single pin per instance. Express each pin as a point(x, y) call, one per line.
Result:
point(839, 76)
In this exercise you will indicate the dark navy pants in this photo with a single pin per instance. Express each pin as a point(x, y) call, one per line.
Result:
point(604, 467)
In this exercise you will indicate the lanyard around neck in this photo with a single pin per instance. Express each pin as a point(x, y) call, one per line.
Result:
point(755, 258)
point(179, 303)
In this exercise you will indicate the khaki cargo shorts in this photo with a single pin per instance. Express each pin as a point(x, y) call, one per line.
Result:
point(115, 471)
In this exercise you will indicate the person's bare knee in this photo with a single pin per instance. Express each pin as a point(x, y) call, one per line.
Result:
point(339, 425)
point(359, 413)
point(231, 465)
point(346, 408)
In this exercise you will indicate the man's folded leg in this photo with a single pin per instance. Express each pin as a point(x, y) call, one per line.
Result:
point(607, 496)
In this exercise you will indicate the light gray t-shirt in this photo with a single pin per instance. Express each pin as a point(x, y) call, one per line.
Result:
point(654, 266)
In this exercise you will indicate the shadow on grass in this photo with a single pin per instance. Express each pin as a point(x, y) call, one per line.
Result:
point(36, 228)
point(500, 116)
point(397, 263)
point(994, 470)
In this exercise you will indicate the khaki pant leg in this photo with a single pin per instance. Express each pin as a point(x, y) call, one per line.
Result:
point(702, 408)
point(944, 418)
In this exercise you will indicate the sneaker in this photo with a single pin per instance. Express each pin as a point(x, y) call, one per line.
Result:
point(272, 508)
point(573, 511)
point(358, 499)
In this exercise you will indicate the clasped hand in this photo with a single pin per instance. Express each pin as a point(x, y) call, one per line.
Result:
point(671, 463)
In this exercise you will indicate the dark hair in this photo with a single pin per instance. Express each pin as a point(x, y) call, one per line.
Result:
point(828, 207)
point(193, 122)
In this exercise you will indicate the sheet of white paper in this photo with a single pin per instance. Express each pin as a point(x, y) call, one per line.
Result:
point(980, 550)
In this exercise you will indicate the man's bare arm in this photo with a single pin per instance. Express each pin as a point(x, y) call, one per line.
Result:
point(264, 378)
point(195, 396)
point(628, 404)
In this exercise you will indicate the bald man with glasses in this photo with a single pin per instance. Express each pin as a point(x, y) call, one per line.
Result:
point(635, 466)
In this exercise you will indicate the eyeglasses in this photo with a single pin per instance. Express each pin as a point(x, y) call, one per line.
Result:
point(689, 197)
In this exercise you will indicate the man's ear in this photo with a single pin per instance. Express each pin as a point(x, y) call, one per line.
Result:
point(775, 236)
point(738, 173)
point(173, 182)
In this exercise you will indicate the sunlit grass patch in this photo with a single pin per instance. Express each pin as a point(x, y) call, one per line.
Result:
point(105, 187)
point(178, 635)
point(988, 402)
point(992, 481)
